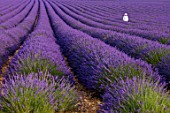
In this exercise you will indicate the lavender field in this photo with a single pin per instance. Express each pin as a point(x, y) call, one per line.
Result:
point(83, 56)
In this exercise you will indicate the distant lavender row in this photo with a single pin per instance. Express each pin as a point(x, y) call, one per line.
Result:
point(146, 12)
point(12, 38)
point(90, 58)
point(110, 20)
point(116, 10)
point(89, 8)
point(12, 22)
point(153, 33)
point(10, 6)
point(94, 8)
point(139, 24)
point(141, 14)
point(161, 37)
point(14, 12)
point(40, 45)
point(152, 52)
point(5, 5)
point(90, 12)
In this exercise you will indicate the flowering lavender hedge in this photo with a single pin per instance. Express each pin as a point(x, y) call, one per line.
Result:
point(40, 52)
point(30, 68)
point(12, 38)
point(9, 6)
point(6, 5)
point(33, 93)
point(136, 96)
point(94, 15)
point(152, 35)
point(156, 19)
point(113, 16)
point(91, 58)
point(12, 22)
point(147, 50)
point(40, 48)
point(14, 12)
point(103, 14)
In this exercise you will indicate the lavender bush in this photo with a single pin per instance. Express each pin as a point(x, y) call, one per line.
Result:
point(37, 93)
point(112, 75)
point(34, 64)
point(136, 95)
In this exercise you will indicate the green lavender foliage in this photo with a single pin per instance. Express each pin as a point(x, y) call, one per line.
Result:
point(155, 56)
point(37, 93)
point(121, 72)
point(35, 63)
point(136, 95)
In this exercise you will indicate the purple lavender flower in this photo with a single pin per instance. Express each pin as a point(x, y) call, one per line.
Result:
point(136, 95)
point(37, 93)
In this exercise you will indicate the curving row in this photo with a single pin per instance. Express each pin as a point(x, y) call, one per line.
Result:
point(152, 52)
point(106, 70)
point(155, 35)
point(40, 44)
point(38, 72)
point(12, 13)
point(12, 38)
point(9, 6)
point(141, 9)
point(14, 21)
point(89, 54)
point(138, 29)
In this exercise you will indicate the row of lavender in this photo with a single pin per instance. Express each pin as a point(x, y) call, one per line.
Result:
point(12, 38)
point(38, 79)
point(108, 71)
point(12, 13)
point(41, 75)
point(136, 8)
point(18, 18)
point(139, 11)
point(152, 52)
point(159, 32)
point(8, 5)
point(102, 13)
